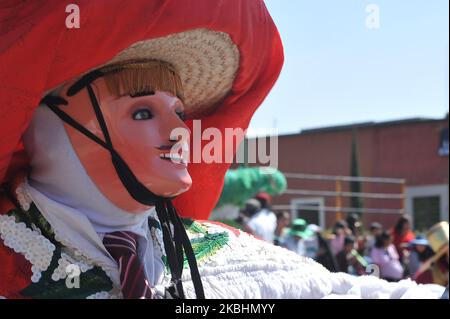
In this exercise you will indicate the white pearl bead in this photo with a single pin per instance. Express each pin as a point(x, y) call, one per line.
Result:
point(55, 276)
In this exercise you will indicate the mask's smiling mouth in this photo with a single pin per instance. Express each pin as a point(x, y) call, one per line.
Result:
point(174, 157)
point(168, 155)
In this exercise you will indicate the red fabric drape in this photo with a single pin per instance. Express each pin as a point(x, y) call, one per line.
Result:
point(38, 52)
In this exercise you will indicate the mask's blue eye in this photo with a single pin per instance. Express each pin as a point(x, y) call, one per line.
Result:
point(142, 114)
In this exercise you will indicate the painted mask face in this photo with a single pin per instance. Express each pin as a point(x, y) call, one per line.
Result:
point(140, 128)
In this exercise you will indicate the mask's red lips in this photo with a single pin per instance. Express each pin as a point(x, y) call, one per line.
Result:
point(164, 147)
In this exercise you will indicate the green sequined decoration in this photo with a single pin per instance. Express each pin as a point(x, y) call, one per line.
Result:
point(205, 245)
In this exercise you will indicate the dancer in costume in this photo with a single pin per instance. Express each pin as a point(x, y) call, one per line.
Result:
point(90, 184)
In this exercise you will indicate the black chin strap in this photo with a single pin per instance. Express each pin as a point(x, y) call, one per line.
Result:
point(176, 244)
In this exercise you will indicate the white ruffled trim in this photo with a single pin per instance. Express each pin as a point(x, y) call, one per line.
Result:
point(250, 268)
point(37, 249)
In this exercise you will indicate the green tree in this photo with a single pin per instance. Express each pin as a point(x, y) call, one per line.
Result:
point(355, 186)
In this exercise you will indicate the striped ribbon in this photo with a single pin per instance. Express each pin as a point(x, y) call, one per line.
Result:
point(122, 245)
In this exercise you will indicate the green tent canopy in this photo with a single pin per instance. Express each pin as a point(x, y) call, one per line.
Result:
point(245, 182)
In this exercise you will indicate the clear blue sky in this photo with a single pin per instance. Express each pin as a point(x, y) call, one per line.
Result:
point(338, 71)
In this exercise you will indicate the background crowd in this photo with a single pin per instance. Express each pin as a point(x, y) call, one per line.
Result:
point(351, 247)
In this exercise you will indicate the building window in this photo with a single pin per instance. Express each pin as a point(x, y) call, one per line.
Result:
point(310, 209)
point(443, 142)
point(426, 212)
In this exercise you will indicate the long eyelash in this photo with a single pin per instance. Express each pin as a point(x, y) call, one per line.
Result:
point(142, 93)
point(182, 115)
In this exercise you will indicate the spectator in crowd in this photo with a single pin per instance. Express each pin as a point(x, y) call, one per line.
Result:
point(296, 236)
point(312, 242)
point(360, 239)
point(386, 257)
point(324, 255)
point(349, 260)
point(264, 222)
point(353, 223)
point(402, 235)
point(420, 251)
point(283, 221)
point(375, 230)
point(340, 230)
point(251, 207)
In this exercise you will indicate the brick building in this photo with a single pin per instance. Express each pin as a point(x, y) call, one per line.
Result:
point(415, 150)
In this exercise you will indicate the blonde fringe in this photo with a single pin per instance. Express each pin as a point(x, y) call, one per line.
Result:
point(135, 77)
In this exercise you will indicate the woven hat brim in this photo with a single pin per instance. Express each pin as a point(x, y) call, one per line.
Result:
point(207, 62)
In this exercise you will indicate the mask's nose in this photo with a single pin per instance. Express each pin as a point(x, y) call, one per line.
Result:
point(172, 127)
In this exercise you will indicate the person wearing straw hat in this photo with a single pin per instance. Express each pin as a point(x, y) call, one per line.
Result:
point(436, 268)
point(92, 193)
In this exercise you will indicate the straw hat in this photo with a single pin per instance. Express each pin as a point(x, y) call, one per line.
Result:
point(438, 236)
point(205, 60)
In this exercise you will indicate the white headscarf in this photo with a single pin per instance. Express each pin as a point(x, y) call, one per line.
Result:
point(71, 202)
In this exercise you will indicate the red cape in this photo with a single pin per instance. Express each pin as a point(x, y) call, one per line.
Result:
point(38, 53)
